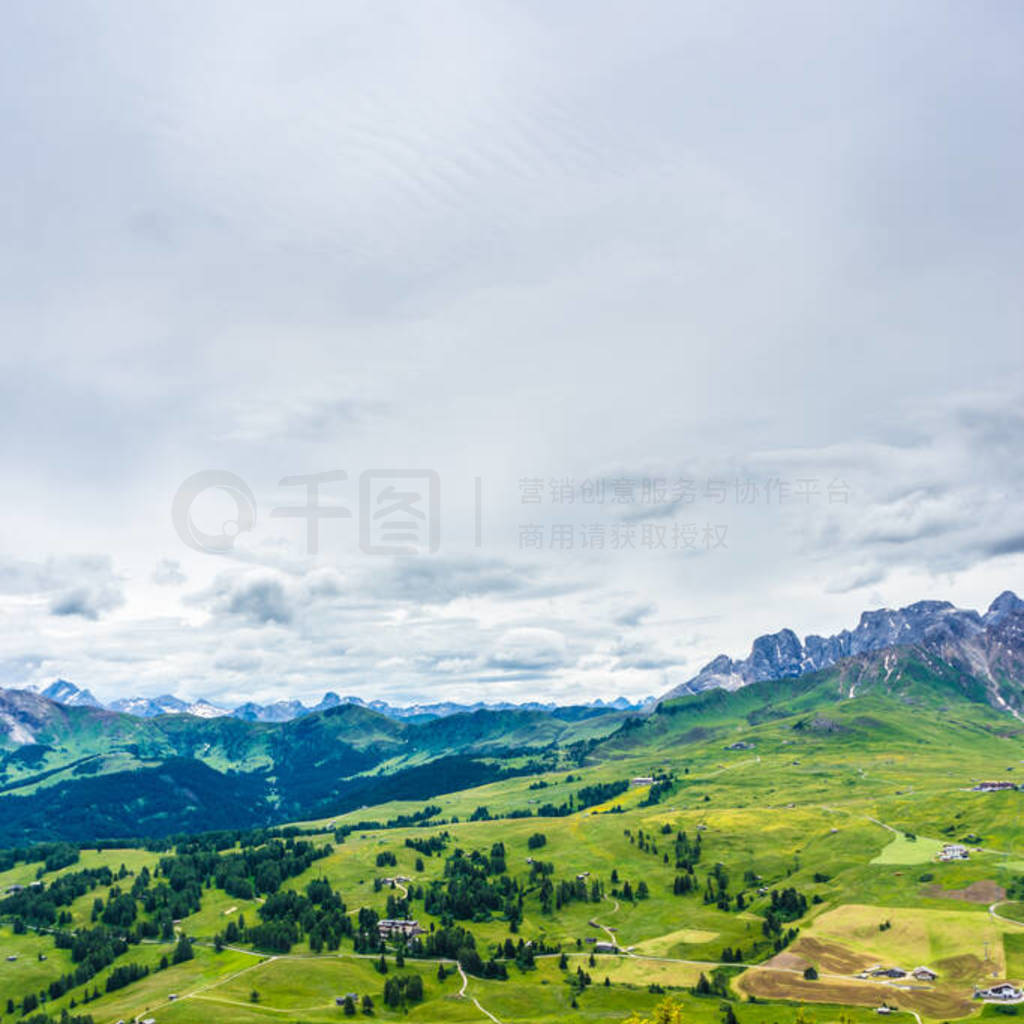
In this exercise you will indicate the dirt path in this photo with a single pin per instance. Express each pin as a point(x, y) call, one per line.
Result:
point(197, 993)
point(394, 883)
point(230, 977)
point(894, 831)
point(610, 932)
point(203, 992)
point(472, 999)
point(999, 917)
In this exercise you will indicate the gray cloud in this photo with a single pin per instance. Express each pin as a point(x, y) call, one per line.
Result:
point(26, 577)
point(89, 602)
point(527, 649)
point(238, 663)
point(441, 580)
point(501, 241)
point(75, 585)
point(257, 600)
point(1011, 545)
point(261, 601)
point(309, 419)
point(634, 615)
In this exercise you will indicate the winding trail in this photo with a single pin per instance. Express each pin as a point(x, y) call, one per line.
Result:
point(226, 978)
point(999, 917)
point(610, 932)
point(204, 993)
point(894, 831)
point(473, 999)
point(396, 883)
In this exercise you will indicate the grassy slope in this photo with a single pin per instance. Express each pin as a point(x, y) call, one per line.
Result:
point(814, 795)
point(84, 758)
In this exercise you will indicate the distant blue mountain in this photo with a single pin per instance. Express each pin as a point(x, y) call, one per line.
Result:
point(63, 692)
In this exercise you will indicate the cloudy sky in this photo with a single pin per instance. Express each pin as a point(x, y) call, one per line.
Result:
point(620, 333)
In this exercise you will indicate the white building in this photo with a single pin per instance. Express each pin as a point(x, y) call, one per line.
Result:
point(1003, 993)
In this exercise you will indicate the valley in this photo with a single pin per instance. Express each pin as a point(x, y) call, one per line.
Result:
point(765, 852)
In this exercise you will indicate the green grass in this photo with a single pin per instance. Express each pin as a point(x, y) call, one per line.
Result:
point(795, 811)
point(1012, 910)
point(904, 850)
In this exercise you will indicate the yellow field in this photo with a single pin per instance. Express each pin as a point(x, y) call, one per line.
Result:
point(917, 936)
point(640, 971)
point(665, 944)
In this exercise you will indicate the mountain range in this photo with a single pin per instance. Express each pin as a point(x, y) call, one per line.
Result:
point(73, 770)
point(939, 626)
point(63, 692)
point(988, 645)
point(70, 771)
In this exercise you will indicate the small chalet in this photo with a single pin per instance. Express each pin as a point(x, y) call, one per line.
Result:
point(888, 972)
point(923, 974)
point(1003, 993)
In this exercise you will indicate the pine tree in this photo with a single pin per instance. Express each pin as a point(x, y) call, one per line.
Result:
point(183, 951)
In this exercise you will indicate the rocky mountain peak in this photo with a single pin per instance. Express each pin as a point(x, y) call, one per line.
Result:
point(776, 656)
point(937, 625)
point(1007, 603)
point(63, 692)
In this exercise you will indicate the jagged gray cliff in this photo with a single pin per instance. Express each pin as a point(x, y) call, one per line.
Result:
point(990, 646)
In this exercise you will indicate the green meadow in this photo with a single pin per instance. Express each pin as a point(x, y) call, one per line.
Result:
point(823, 809)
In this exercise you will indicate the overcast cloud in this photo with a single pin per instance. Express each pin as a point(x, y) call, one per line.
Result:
point(761, 263)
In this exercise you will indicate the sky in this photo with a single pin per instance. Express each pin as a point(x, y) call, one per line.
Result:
point(614, 335)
